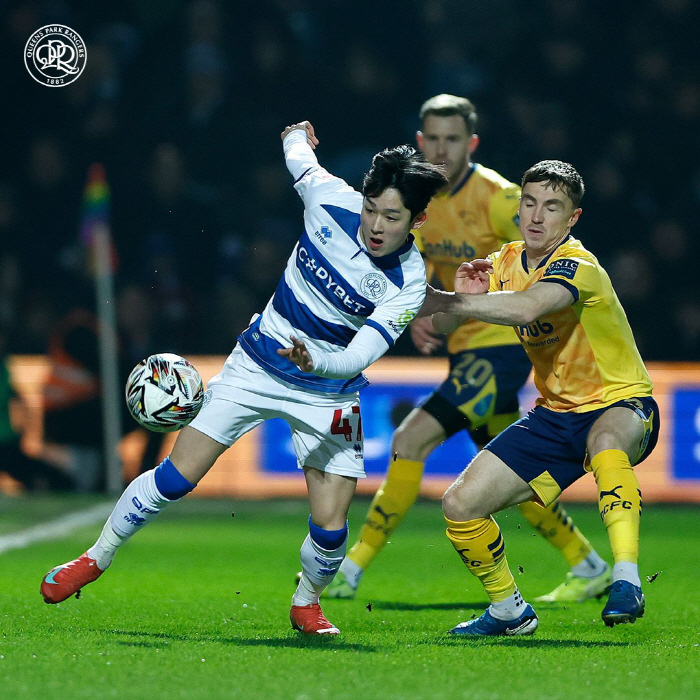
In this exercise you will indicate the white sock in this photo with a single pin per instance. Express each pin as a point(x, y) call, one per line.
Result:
point(509, 609)
point(318, 568)
point(626, 571)
point(593, 565)
point(353, 573)
point(137, 506)
point(105, 548)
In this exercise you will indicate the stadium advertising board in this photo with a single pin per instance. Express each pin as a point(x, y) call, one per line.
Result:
point(262, 463)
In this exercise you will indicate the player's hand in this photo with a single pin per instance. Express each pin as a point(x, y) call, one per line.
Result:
point(424, 336)
point(473, 277)
point(298, 354)
point(303, 126)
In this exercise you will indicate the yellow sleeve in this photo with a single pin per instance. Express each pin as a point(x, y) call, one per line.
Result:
point(579, 275)
point(493, 280)
point(503, 213)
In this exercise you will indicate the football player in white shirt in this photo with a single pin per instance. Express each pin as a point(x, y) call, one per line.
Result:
point(352, 284)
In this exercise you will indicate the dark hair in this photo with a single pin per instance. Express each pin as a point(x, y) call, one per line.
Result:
point(447, 106)
point(404, 169)
point(560, 175)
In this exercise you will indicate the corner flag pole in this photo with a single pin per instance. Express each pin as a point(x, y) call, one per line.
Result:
point(96, 234)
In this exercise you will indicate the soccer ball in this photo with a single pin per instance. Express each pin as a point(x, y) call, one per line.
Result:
point(164, 392)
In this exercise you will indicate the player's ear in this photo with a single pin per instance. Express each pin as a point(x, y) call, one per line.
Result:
point(574, 217)
point(473, 143)
point(420, 140)
point(419, 220)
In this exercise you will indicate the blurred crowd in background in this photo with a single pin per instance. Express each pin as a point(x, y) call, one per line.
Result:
point(183, 103)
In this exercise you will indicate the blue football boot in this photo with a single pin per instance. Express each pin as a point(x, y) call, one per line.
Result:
point(625, 604)
point(488, 625)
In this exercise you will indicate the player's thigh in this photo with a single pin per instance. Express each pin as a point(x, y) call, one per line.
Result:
point(239, 398)
point(329, 497)
point(194, 453)
point(418, 435)
point(326, 432)
point(630, 425)
point(541, 449)
point(486, 486)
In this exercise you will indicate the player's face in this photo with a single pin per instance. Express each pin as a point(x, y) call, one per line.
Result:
point(446, 141)
point(385, 223)
point(546, 217)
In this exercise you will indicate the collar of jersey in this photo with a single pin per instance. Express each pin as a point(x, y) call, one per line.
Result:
point(386, 262)
point(463, 181)
point(545, 260)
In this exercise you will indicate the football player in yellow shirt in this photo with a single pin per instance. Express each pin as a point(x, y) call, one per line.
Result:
point(471, 219)
point(595, 412)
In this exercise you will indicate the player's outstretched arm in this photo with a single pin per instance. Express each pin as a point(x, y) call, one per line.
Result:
point(366, 347)
point(298, 143)
point(502, 308)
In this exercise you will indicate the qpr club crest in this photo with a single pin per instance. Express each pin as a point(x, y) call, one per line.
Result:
point(55, 55)
point(373, 286)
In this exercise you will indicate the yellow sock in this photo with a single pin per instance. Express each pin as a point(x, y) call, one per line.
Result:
point(555, 525)
point(619, 502)
point(480, 544)
point(396, 495)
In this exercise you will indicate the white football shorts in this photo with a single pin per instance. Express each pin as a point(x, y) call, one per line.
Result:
point(326, 428)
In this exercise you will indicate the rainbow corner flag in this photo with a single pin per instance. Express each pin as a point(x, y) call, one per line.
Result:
point(95, 218)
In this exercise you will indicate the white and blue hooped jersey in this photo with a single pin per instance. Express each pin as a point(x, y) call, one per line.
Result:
point(331, 287)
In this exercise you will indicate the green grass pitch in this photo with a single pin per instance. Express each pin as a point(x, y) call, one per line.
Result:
point(196, 606)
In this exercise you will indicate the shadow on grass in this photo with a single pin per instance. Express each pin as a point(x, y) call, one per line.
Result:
point(296, 641)
point(393, 605)
point(530, 642)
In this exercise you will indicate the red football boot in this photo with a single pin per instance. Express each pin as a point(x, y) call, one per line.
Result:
point(65, 580)
point(310, 619)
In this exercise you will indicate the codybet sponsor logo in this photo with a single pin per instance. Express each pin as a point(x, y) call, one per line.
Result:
point(307, 262)
point(447, 249)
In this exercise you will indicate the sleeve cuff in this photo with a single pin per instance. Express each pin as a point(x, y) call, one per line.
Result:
point(563, 283)
point(382, 331)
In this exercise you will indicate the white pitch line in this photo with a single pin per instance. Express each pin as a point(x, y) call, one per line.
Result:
point(54, 529)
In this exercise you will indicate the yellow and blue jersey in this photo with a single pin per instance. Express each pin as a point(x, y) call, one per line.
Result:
point(471, 221)
point(584, 356)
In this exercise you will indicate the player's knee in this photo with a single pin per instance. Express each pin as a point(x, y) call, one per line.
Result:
point(412, 442)
point(327, 519)
point(603, 440)
point(456, 504)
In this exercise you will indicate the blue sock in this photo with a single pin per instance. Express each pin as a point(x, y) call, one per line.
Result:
point(170, 482)
point(330, 540)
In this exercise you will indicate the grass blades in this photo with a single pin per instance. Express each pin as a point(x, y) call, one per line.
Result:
point(196, 606)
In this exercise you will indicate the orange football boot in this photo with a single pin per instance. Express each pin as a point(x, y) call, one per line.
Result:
point(65, 580)
point(310, 619)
